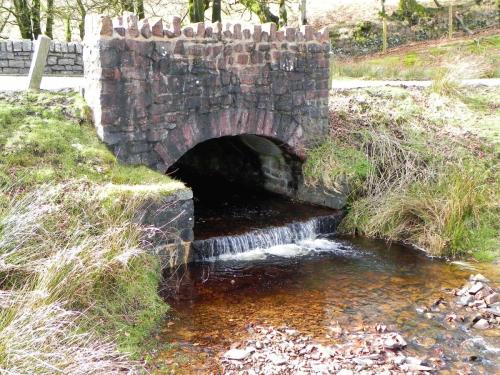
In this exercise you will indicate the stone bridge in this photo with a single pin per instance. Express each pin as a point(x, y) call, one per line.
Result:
point(158, 90)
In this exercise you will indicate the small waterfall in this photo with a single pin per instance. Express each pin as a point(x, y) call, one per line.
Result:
point(265, 238)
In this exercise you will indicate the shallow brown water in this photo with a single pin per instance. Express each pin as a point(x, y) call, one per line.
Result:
point(356, 282)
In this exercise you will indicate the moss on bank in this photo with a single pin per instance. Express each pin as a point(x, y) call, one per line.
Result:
point(72, 269)
point(432, 179)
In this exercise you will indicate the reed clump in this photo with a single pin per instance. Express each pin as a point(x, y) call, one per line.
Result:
point(432, 179)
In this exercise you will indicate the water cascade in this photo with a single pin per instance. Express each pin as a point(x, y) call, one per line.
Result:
point(292, 233)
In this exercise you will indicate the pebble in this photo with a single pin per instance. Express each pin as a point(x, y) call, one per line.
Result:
point(277, 360)
point(479, 277)
point(409, 367)
point(492, 298)
point(289, 352)
point(395, 343)
point(345, 372)
point(399, 360)
point(465, 300)
point(413, 361)
point(237, 354)
point(481, 324)
point(476, 288)
point(363, 362)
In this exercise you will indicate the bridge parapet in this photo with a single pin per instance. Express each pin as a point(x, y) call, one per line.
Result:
point(157, 90)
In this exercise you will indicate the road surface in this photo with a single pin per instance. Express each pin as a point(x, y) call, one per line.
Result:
point(19, 83)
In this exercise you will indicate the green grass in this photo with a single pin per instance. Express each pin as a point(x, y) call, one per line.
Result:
point(79, 288)
point(433, 178)
point(426, 64)
point(41, 143)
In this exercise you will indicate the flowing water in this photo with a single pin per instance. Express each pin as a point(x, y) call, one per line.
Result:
point(309, 285)
point(265, 260)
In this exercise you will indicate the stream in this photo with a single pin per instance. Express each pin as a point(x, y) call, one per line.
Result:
point(301, 275)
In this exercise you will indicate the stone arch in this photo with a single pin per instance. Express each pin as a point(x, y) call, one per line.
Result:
point(158, 91)
point(249, 160)
point(232, 122)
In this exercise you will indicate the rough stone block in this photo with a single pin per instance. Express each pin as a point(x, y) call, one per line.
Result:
point(199, 29)
point(27, 45)
point(16, 63)
point(130, 23)
point(270, 29)
point(66, 61)
point(290, 34)
point(176, 26)
point(188, 31)
point(257, 30)
point(156, 26)
point(144, 28)
point(17, 45)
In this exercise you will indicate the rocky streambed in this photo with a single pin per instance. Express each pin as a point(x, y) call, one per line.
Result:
point(283, 350)
point(335, 306)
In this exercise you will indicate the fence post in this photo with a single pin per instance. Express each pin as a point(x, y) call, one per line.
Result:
point(450, 21)
point(384, 34)
point(38, 62)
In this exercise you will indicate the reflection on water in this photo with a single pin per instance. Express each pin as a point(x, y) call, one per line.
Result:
point(311, 284)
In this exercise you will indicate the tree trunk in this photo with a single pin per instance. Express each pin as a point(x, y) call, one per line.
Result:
point(450, 21)
point(127, 5)
point(22, 13)
point(196, 11)
point(140, 8)
point(67, 29)
point(384, 26)
point(35, 19)
point(303, 12)
point(216, 11)
point(81, 23)
point(261, 10)
point(50, 19)
point(283, 15)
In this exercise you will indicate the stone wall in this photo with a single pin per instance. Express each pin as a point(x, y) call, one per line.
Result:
point(158, 91)
point(169, 222)
point(63, 59)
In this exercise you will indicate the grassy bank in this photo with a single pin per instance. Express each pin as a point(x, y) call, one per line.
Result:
point(427, 62)
point(422, 166)
point(78, 290)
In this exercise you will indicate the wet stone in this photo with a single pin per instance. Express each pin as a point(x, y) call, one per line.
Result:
point(481, 324)
point(476, 288)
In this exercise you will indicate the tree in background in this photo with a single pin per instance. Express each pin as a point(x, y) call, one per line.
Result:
point(303, 12)
point(197, 10)
point(411, 11)
point(216, 11)
point(49, 25)
point(383, 14)
point(21, 10)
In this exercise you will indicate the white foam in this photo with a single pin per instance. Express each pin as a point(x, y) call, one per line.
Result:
point(301, 248)
point(287, 251)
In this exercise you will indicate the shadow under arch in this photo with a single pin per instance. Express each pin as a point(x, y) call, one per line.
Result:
point(244, 182)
